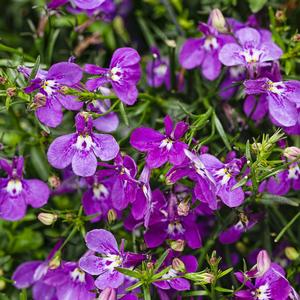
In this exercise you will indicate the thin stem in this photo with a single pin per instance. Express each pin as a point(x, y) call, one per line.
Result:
point(146, 292)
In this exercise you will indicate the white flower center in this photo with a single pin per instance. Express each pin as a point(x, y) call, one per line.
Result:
point(100, 191)
point(160, 70)
point(84, 143)
point(224, 174)
point(276, 87)
point(171, 274)
point(211, 43)
point(78, 275)
point(14, 187)
point(116, 73)
point(49, 87)
point(166, 143)
point(236, 71)
point(112, 261)
point(262, 293)
point(294, 172)
point(251, 55)
point(175, 226)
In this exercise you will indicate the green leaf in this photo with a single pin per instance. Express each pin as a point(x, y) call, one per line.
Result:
point(269, 199)
point(123, 114)
point(3, 297)
point(134, 286)
point(256, 5)
point(242, 182)
point(161, 260)
point(160, 274)
point(195, 293)
point(50, 48)
point(35, 69)
point(221, 131)
point(39, 162)
point(129, 272)
point(225, 272)
point(248, 151)
point(223, 290)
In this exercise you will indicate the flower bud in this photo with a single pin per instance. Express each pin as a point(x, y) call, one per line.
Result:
point(263, 263)
point(178, 265)
point(2, 80)
point(55, 261)
point(280, 16)
point(11, 92)
point(108, 294)
point(177, 245)
point(171, 43)
point(54, 182)
point(183, 208)
point(291, 253)
point(218, 21)
point(208, 277)
point(64, 90)
point(39, 100)
point(291, 153)
point(150, 265)
point(111, 216)
point(47, 218)
point(296, 38)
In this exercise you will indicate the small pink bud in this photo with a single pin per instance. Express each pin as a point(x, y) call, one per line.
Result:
point(108, 294)
point(39, 100)
point(177, 245)
point(183, 208)
point(11, 92)
point(291, 153)
point(111, 216)
point(54, 182)
point(178, 265)
point(263, 263)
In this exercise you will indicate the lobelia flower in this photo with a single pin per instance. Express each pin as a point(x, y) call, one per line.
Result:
point(166, 222)
point(50, 100)
point(70, 282)
point(188, 263)
point(32, 273)
point(204, 52)
point(251, 50)
point(123, 73)
point(157, 70)
point(16, 192)
point(234, 232)
point(96, 200)
point(109, 121)
point(83, 4)
point(81, 148)
point(160, 147)
point(283, 98)
point(193, 168)
point(269, 284)
point(104, 243)
point(224, 175)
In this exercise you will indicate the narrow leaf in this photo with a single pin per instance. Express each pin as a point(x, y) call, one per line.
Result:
point(221, 131)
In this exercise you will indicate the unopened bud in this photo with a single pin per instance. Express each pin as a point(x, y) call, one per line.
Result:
point(218, 21)
point(183, 208)
point(177, 245)
point(55, 262)
point(54, 182)
point(256, 147)
point(263, 263)
point(200, 277)
point(39, 100)
point(296, 38)
point(47, 218)
point(178, 265)
point(280, 16)
point(11, 92)
point(291, 253)
point(208, 277)
point(111, 216)
point(3, 80)
point(291, 153)
point(64, 90)
point(171, 43)
point(150, 265)
point(108, 294)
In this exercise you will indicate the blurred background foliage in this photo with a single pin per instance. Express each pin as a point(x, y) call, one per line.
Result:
point(28, 30)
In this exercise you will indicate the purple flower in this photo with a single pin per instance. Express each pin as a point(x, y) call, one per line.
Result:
point(203, 52)
point(16, 192)
point(283, 98)
point(167, 222)
point(193, 168)
point(169, 280)
point(49, 101)
point(71, 282)
point(160, 147)
point(109, 121)
point(251, 50)
point(81, 148)
point(83, 4)
point(123, 74)
point(104, 243)
point(271, 285)
point(234, 232)
point(157, 70)
point(224, 175)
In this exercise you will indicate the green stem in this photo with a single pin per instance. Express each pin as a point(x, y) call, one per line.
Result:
point(146, 292)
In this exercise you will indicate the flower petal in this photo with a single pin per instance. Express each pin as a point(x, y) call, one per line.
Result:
point(84, 163)
point(106, 147)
